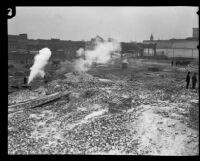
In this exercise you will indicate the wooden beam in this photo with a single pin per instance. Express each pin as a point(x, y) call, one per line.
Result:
point(36, 102)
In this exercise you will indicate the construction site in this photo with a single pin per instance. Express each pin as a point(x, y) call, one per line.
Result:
point(124, 93)
point(141, 108)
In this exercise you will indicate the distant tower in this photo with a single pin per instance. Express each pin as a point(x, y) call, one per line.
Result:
point(151, 37)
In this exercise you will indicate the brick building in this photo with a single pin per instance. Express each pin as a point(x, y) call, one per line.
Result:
point(21, 49)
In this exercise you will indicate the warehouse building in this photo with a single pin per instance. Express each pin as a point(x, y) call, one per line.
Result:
point(176, 47)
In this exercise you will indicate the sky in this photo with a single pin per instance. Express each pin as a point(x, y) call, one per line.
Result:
point(121, 23)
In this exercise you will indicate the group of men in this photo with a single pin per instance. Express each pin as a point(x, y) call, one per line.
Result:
point(194, 80)
point(172, 63)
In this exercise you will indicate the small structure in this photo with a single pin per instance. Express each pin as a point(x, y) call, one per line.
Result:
point(149, 49)
point(131, 49)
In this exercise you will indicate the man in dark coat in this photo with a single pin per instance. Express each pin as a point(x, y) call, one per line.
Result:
point(46, 79)
point(188, 80)
point(194, 80)
point(172, 63)
point(25, 80)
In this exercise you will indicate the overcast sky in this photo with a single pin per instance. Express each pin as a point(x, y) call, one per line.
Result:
point(121, 23)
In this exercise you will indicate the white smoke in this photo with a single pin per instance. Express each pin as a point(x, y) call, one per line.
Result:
point(40, 61)
point(125, 61)
point(65, 67)
point(80, 52)
point(101, 54)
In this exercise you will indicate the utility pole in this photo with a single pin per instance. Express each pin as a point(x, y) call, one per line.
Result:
point(192, 53)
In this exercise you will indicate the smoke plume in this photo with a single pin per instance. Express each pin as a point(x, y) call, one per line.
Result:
point(101, 54)
point(66, 66)
point(40, 61)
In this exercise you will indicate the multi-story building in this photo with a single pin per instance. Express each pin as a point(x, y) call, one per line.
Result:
point(21, 49)
point(176, 47)
point(17, 42)
point(195, 33)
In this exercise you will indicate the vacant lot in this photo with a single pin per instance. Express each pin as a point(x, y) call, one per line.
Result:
point(161, 119)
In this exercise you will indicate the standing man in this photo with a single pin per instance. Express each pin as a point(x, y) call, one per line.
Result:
point(172, 63)
point(188, 80)
point(25, 80)
point(194, 80)
point(45, 79)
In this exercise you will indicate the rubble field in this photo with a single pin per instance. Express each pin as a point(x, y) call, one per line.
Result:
point(112, 111)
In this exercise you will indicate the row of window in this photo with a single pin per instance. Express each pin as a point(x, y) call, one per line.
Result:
point(21, 61)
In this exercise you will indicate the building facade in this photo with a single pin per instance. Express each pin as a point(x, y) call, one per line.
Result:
point(195, 33)
point(24, 49)
point(176, 47)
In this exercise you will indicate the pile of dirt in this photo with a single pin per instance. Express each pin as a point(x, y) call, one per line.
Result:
point(77, 77)
point(90, 93)
point(77, 81)
point(111, 76)
point(55, 86)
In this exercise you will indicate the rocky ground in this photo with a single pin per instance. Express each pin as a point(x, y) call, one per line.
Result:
point(161, 119)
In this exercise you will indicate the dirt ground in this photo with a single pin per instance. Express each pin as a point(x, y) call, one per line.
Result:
point(162, 119)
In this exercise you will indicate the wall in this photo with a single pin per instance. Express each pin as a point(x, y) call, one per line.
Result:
point(175, 47)
point(179, 52)
point(61, 49)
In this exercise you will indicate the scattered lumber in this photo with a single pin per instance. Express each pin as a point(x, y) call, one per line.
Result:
point(36, 102)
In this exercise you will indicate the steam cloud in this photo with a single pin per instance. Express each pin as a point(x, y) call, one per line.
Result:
point(101, 54)
point(66, 66)
point(40, 61)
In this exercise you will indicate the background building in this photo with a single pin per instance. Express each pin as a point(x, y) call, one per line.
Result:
point(177, 47)
point(21, 49)
point(195, 33)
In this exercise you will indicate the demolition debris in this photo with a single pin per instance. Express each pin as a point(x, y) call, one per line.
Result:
point(106, 113)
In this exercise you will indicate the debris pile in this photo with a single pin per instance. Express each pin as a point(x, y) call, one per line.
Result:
point(194, 115)
point(103, 116)
point(76, 77)
point(36, 102)
point(22, 95)
point(118, 104)
point(111, 76)
point(55, 86)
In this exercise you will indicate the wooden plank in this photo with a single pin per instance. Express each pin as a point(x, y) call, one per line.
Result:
point(28, 101)
point(36, 102)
